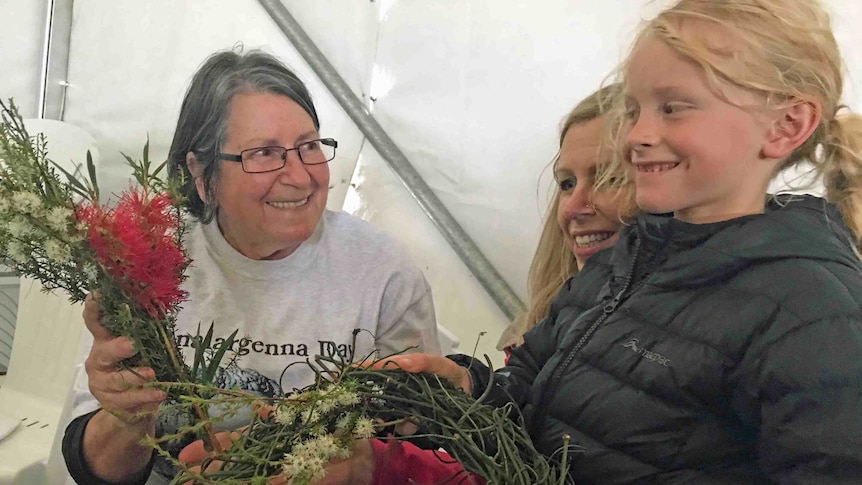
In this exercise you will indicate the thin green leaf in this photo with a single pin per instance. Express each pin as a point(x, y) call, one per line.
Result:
point(208, 339)
point(160, 168)
point(76, 185)
point(219, 354)
point(199, 352)
point(147, 150)
point(91, 169)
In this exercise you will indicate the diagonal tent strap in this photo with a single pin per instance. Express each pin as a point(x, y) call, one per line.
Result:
point(497, 288)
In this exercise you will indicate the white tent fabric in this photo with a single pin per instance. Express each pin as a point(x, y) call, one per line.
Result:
point(22, 38)
point(472, 91)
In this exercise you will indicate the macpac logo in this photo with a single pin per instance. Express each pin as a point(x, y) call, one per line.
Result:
point(646, 354)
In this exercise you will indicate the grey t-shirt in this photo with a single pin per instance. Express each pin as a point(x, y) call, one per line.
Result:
point(348, 275)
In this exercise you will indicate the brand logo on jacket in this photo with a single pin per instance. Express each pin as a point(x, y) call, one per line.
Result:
point(646, 354)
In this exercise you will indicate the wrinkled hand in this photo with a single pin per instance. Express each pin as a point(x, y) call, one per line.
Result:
point(433, 364)
point(195, 453)
point(358, 469)
point(120, 392)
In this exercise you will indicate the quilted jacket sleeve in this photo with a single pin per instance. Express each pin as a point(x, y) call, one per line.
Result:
point(810, 394)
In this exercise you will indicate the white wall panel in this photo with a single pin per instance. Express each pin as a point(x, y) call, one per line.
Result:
point(21, 38)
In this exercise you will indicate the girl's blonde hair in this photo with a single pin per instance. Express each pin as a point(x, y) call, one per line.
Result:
point(785, 52)
point(553, 262)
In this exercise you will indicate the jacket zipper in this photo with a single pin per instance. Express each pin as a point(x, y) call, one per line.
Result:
point(607, 311)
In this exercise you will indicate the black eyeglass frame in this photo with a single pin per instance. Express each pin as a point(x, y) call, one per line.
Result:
point(331, 142)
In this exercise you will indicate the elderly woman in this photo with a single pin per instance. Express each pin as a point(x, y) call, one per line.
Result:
point(268, 259)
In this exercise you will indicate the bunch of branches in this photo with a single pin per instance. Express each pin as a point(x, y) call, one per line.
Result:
point(306, 429)
point(54, 228)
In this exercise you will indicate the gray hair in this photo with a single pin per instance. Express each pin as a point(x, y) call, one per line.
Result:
point(202, 124)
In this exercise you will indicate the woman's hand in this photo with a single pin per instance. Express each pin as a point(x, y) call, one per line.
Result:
point(433, 364)
point(196, 452)
point(120, 392)
point(112, 445)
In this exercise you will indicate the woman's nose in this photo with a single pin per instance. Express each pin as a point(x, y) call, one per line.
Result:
point(578, 203)
point(294, 172)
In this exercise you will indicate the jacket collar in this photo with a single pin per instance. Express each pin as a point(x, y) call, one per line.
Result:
point(792, 226)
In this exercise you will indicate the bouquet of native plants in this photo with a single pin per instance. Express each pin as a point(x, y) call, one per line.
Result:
point(54, 228)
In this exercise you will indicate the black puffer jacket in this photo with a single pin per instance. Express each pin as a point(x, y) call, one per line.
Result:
point(734, 355)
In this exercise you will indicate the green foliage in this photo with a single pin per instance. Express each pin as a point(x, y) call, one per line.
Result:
point(320, 422)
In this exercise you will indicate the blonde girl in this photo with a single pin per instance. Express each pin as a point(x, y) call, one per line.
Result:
point(721, 343)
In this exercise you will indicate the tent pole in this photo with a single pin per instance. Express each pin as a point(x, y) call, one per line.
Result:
point(55, 59)
point(466, 249)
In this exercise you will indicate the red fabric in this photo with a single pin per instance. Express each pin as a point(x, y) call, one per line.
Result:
point(402, 463)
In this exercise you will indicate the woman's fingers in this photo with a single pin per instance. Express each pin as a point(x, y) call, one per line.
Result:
point(106, 354)
point(107, 348)
point(213, 466)
point(196, 451)
point(358, 469)
point(123, 394)
point(262, 409)
point(407, 428)
point(93, 317)
point(105, 375)
point(120, 391)
point(433, 364)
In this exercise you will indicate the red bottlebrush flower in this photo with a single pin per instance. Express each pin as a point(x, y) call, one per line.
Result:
point(135, 244)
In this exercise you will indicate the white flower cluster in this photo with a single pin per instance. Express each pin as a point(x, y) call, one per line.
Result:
point(310, 406)
point(307, 461)
point(363, 429)
point(29, 229)
point(359, 427)
point(310, 411)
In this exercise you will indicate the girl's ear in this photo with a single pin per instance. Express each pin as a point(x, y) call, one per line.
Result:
point(196, 171)
point(791, 127)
